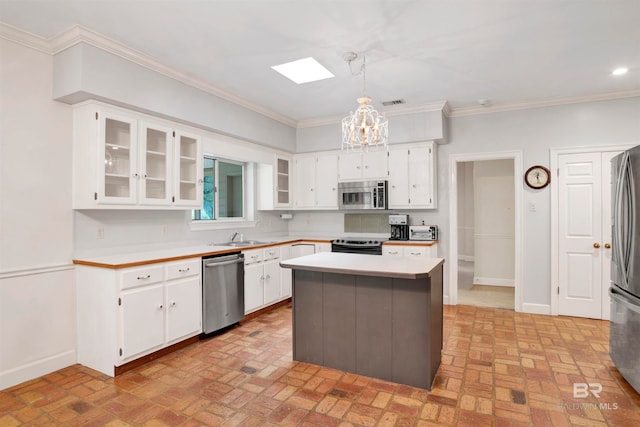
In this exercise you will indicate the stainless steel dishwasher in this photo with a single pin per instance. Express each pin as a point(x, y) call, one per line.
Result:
point(222, 291)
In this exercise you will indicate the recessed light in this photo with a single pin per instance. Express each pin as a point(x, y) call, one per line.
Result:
point(303, 71)
point(620, 71)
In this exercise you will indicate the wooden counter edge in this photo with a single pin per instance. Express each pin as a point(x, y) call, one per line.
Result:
point(193, 255)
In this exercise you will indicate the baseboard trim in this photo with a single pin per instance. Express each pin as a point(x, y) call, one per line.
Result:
point(257, 313)
point(536, 308)
point(119, 370)
point(490, 281)
point(37, 369)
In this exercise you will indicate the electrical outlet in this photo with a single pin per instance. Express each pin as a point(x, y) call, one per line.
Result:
point(100, 232)
point(532, 207)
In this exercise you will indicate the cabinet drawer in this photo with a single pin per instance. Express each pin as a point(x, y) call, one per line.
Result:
point(184, 268)
point(392, 250)
point(415, 251)
point(253, 256)
point(131, 278)
point(271, 253)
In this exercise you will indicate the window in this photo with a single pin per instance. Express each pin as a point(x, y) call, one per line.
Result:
point(224, 190)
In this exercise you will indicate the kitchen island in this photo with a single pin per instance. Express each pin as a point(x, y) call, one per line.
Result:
point(369, 315)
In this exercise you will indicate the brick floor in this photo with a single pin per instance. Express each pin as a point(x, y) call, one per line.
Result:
point(499, 368)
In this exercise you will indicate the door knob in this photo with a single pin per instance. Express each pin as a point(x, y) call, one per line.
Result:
point(607, 245)
point(596, 245)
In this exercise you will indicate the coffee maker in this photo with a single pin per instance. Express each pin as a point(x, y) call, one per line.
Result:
point(399, 226)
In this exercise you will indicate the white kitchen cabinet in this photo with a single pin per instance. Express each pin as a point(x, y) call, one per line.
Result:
point(285, 273)
point(142, 318)
point(362, 166)
point(316, 181)
point(253, 293)
point(302, 249)
point(323, 247)
point(410, 250)
point(412, 177)
point(126, 160)
point(127, 313)
point(261, 278)
point(274, 184)
point(188, 181)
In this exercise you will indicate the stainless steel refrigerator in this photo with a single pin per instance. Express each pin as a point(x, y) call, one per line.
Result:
point(624, 337)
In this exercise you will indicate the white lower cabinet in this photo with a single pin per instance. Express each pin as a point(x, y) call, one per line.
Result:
point(410, 250)
point(261, 278)
point(127, 313)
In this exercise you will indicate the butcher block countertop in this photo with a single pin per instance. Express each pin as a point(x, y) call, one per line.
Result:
point(132, 259)
point(365, 265)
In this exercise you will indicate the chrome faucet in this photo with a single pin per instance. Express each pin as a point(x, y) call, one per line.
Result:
point(234, 236)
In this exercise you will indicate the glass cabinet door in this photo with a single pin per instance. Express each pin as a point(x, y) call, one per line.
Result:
point(188, 176)
point(155, 164)
point(117, 171)
point(283, 182)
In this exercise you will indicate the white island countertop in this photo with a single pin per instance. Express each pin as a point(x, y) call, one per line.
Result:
point(365, 265)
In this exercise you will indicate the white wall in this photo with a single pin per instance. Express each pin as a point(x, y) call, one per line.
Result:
point(494, 223)
point(37, 299)
point(535, 132)
point(465, 211)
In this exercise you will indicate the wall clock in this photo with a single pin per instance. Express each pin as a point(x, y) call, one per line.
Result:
point(537, 177)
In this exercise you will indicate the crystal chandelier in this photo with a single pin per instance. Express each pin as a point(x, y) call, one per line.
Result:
point(365, 127)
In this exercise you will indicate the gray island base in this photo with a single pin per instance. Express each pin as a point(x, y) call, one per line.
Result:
point(369, 315)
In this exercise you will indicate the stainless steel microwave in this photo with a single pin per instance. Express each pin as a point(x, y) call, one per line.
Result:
point(362, 195)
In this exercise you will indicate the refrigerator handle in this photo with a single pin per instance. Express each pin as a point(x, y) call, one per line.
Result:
point(620, 220)
point(627, 300)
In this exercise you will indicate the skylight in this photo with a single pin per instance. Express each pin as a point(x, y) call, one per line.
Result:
point(303, 71)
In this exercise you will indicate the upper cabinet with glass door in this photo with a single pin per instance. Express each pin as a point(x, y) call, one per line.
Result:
point(125, 160)
point(188, 170)
point(274, 184)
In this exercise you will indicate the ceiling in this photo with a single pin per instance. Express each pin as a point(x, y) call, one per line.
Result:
point(460, 51)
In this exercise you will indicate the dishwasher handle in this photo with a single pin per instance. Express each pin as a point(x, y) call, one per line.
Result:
point(213, 264)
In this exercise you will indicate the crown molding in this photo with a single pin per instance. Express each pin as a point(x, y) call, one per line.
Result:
point(79, 34)
point(390, 112)
point(551, 102)
point(25, 38)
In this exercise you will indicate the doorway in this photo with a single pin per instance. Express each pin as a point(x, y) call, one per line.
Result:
point(486, 225)
point(485, 265)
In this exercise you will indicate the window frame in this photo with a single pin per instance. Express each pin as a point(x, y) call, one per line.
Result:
point(217, 222)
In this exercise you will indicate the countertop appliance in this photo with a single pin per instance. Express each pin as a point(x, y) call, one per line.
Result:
point(222, 291)
point(357, 245)
point(362, 195)
point(624, 329)
point(399, 224)
point(423, 232)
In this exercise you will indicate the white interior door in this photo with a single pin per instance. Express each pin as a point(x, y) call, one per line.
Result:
point(580, 235)
point(584, 247)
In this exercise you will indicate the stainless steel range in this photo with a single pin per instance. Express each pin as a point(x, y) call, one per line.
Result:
point(357, 245)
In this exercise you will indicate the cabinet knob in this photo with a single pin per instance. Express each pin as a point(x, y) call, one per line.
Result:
point(200, 181)
point(414, 186)
point(333, 189)
point(160, 307)
point(173, 303)
point(357, 167)
point(311, 189)
point(607, 246)
point(135, 175)
point(366, 166)
point(268, 276)
point(144, 176)
point(596, 245)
